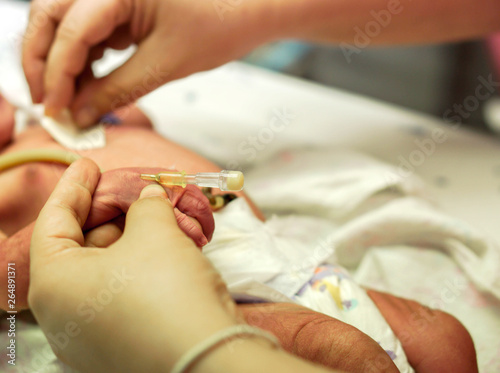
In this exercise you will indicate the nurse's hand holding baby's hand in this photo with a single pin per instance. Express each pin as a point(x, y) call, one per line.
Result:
point(138, 304)
point(101, 296)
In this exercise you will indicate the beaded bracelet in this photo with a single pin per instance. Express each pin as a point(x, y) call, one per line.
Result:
point(221, 336)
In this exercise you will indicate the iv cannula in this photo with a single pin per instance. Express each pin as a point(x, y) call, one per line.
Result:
point(224, 180)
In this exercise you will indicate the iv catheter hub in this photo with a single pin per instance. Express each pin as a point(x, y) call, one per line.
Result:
point(225, 180)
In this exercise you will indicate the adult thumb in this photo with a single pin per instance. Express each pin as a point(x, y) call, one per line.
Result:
point(142, 73)
point(151, 222)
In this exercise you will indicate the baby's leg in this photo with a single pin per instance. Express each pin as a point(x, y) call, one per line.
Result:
point(433, 341)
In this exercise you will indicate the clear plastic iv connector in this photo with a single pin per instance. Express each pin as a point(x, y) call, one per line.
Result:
point(224, 180)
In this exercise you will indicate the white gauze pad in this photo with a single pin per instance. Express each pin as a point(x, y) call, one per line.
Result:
point(66, 132)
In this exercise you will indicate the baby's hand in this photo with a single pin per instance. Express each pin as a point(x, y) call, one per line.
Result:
point(118, 189)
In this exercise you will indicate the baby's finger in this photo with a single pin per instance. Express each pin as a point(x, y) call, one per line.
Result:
point(59, 225)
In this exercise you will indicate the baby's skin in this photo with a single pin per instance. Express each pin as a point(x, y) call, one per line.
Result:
point(441, 345)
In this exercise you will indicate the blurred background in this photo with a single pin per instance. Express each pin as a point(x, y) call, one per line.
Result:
point(430, 78)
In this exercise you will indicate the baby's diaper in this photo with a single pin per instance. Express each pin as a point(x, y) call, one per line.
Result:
point(333, 292)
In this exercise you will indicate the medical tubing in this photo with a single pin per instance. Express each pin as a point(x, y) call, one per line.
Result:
point(18, 158)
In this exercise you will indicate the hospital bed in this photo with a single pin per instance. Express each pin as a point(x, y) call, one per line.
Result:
point(247, 118)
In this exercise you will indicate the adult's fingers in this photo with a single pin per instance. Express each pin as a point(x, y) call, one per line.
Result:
point(86, 24)
point(151, 221)
point(44, 17)
point(106, 234)
point(6, 121)
point(141, 74)
point(59, 225)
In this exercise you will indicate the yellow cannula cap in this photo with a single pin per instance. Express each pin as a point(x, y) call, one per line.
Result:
point(235, 180)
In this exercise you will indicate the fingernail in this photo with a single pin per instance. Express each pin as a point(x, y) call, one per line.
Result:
point(110, 118)
point(153, 190)
point(203, 241)
point(86, 116)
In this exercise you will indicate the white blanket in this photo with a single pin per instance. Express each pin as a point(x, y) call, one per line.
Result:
point(338, 206)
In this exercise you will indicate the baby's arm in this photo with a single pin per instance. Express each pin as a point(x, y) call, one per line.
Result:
point(15, 249)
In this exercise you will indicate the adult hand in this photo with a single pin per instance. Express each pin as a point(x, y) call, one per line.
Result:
point(175, 38)
point(6, 122)
point(143, 287)
point(178, 37)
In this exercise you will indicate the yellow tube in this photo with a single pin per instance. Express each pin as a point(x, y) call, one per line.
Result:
point(14, 159)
